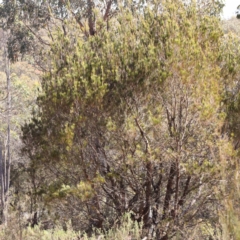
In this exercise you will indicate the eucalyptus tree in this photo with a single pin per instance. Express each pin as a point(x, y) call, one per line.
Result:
point(31, 22)
point(5, 141)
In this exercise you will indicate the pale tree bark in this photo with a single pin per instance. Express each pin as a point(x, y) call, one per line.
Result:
point(5, 159)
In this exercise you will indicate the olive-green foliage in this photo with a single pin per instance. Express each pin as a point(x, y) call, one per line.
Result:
point(126, 229)
point(130, 119)
point(228, 193)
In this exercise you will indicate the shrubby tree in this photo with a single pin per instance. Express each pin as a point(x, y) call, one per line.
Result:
point(229, 193)
point(130, 120)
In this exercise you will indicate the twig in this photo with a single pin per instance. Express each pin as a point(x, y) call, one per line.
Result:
point(143, 136)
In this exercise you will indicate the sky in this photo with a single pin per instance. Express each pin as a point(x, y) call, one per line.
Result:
point(230, 8)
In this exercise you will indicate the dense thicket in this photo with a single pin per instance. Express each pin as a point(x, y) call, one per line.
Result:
point(131, 119)
point(138, 114)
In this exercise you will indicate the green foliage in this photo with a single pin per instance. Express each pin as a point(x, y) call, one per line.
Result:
point(24, 86)
point(122, 231)
point(131, 119)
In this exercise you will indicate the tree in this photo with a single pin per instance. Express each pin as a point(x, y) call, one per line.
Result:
point(14, 107)
point(5, 142)
point(31, 22)
point(130, 120)
point(228, 192)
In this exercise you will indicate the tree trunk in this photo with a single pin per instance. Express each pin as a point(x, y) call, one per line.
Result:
point(5, 159)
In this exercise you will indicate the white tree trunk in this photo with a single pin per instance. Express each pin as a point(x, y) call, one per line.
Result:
point(5, 159)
